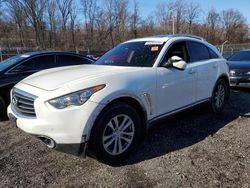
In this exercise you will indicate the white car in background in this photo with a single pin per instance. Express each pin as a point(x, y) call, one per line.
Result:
point(107, 107)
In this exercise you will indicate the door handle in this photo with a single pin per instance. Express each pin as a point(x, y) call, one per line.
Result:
point(191, 71)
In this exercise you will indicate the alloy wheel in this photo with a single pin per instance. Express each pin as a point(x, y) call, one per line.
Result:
point(219, 96)
point(118, 134)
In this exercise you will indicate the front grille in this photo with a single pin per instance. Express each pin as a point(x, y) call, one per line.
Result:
point(244, 72)
point(23, 102)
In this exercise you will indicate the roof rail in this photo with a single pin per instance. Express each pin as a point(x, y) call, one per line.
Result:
point(188, 35)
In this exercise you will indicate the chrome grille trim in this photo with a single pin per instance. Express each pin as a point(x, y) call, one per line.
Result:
point(23, 102)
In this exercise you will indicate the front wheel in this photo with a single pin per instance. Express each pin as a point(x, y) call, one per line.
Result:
point(219, 96)
point(116, 132)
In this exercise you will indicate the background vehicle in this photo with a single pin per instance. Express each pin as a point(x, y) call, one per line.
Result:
point(108, 106)
point(16, 68)
point(239, 65)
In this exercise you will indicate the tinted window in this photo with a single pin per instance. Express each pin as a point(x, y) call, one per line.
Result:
point(178, 49)
point(133, 54)
point(67, 60)
point(37, 63)
point(11, 61)
point(198, 51)
point(240, 56)
point(212, 54)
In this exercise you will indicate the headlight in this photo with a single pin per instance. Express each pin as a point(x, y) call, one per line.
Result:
point(248, 73)
point(231, 72)
point(75, 99)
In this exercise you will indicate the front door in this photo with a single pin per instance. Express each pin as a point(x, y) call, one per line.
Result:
point(176, 88)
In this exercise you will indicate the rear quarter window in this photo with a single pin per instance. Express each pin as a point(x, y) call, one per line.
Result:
point(212, 54)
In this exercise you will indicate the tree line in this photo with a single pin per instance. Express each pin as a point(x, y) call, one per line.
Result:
point(98, 25)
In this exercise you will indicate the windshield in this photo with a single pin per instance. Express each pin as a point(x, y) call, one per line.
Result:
point(11, 61)
point(132, 54)
point(240, 56)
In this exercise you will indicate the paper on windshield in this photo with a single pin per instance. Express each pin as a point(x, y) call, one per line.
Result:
point(154, 42)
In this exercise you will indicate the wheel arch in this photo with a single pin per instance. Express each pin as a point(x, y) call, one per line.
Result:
point(138, 106)
point(227, 81)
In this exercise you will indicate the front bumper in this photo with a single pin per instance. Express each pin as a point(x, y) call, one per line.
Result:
point(68, 128)
point(239, 79)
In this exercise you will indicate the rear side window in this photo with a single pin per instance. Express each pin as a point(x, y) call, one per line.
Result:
point(68, 60)
point(198, 51)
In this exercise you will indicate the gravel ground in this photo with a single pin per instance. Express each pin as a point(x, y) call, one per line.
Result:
point(192, 149)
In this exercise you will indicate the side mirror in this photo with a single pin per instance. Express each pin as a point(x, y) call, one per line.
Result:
point(178, 63)
point(175, 62)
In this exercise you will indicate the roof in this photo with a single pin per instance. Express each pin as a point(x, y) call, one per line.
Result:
point(164, 38)
point(49, 52)
point(54, 53)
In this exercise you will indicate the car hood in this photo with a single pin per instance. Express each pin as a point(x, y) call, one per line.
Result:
point(55, 78)
point(239, 65)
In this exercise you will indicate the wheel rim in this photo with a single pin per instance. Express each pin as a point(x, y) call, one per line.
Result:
point(219, 96)
point(118, 134)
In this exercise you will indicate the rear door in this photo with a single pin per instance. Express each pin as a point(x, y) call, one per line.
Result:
point(206, 62)
point(70, 60)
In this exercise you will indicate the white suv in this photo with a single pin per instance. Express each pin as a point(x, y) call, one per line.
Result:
point(109, 105)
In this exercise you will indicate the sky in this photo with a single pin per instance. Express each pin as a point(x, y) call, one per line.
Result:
point(149, 6)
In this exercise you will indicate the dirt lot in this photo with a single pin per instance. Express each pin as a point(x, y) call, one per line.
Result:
point(193, 149)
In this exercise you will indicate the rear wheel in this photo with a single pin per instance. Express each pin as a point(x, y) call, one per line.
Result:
point(219, 96)
point(2, 109)
point(116, 133)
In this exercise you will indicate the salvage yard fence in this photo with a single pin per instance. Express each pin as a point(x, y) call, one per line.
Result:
point(228, 50)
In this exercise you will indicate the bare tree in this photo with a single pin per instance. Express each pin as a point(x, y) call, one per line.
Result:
point(111, 19)
point(193, 13)
point(73, 17)
point(135, 18)
point(17, 12)
point(235, 25)
point(122, 20)
point(35, 11)
point(64, 7)
point(89, 11)
point(162, 16)
point(178, 8)
point(53, 24)
point(52, 19)
point(213, 20)
point(1, 1)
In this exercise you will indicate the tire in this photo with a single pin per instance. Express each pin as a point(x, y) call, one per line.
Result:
point(112, 144)
point(2, 109)
point(219, 96)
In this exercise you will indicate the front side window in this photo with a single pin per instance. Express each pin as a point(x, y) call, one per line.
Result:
point(177, 49)
point(198, 51)
point(132, 54)
point(11, 61)
point(37, 64)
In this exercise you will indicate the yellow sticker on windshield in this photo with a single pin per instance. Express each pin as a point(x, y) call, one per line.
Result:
point(154, 48)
